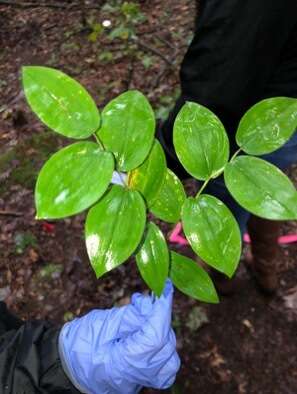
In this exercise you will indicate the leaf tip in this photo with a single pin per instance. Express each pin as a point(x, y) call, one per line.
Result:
point(98, 273)
point(24, 69)
point(158, 293)
point(40, 216)
point(230, 271)
point(216, 298)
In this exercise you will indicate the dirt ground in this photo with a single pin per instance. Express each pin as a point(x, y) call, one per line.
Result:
point(245, 344)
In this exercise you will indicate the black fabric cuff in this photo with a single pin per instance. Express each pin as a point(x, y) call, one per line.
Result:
point(54, 379)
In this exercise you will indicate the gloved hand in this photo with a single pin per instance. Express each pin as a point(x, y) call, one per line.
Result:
point(119, 350)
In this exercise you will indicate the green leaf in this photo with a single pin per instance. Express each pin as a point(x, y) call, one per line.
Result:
point(114, 228)
point(261, 188)
point(130, 9)
point(200, 141)
point(213, 232)
point(22, 240)
point(149, 176)
point(191, 279)
point(267, 125)
point(170, 199)
point(128, 127)
point(60, 102)
point(147, 61)
point(121, 32)
point(153, 259)
point(72, 180)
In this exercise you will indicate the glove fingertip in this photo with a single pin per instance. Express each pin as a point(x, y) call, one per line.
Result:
point(143, 303)
point(169, 288)
point(168, 375)
point(135, 297)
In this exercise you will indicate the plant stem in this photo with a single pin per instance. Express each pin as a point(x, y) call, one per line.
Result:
point(118, 172)
point(98, 141)
point(203, 187)
point(235, 154)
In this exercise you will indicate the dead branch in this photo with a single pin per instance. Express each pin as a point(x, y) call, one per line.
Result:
point(49, 5)
point(11, 213)
point(155, 51)
point(166, 42)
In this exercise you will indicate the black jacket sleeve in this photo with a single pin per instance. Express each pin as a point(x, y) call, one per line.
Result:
point(29, 359)
point(237, 49)
point(242, 52)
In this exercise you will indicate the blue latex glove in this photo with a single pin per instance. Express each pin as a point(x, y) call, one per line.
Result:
point(120, 350)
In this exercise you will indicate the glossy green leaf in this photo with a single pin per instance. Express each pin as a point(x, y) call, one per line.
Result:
point(191, 279)
point(60, 102)
point(267, 125)
point(200, 141)
point(114, 228)
point(153, 259)
point(213, 232)
point(261, 188)
point(72, 180)
point(149, 176)
point(128, 127)
point(170, 199)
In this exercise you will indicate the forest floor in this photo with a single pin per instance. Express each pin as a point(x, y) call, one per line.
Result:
point(245, 344)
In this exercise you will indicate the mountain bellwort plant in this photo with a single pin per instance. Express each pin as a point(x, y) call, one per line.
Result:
point(117, 172)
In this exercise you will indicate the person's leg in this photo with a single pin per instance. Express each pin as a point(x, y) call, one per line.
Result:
point(265, 250)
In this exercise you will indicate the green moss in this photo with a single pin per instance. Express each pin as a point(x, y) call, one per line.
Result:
point(23, 240)
point(29, 155)
point(51, 271)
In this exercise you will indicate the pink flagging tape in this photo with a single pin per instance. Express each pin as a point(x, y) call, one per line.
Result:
point(284, 239)
point(246, 238)
point(288, 239)
point(177, 238)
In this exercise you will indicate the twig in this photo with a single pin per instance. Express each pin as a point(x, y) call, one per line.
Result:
point(10, 213)
point(161, 74)
point(49, 5)
point(166, 42)
point(152, 31)
point(151, 49)
point(13, 101)
point(32, 5)
point(130, 73)
point(164, 70)
point(50, 27)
